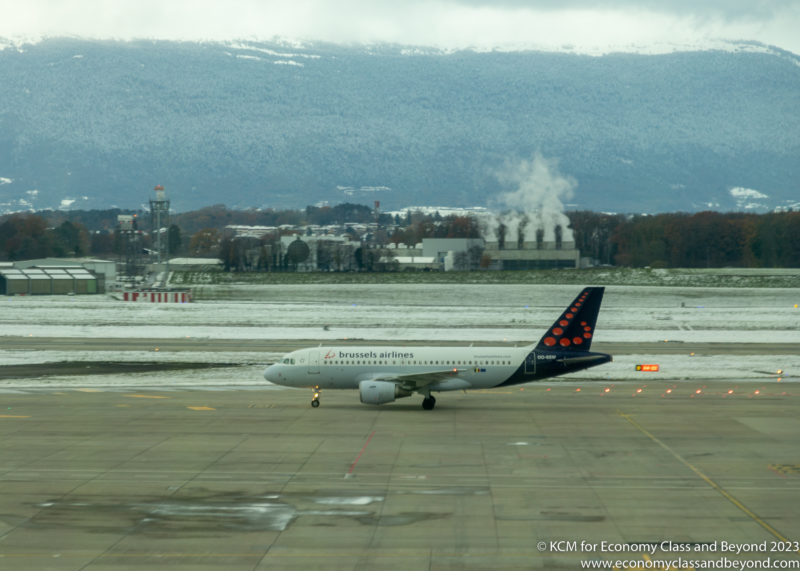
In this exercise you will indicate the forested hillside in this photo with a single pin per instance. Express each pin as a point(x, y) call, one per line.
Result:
point(97, 124)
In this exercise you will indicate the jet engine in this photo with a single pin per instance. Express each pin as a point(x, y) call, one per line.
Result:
point(380, 392)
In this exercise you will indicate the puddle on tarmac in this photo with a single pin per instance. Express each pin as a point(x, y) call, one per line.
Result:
point(203, 514)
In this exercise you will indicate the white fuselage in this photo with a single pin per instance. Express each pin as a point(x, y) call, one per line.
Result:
point(384, 374)
point(344, 367)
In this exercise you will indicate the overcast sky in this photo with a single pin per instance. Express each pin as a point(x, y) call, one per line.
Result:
point(551, 24)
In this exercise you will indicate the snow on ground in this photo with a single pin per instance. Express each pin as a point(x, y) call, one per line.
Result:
point(405, 312)
point(514, 313)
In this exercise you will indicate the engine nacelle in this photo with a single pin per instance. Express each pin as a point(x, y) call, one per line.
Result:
point(380, 392)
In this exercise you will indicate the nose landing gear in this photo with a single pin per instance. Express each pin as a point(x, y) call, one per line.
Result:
point(315, 398)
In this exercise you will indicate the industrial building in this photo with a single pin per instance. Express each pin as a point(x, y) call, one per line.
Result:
point(469, 253)
point(47, 281)
point(324, 252)
point(513, 241)
point(532, 255)
point(56, 276)
point(104, 270)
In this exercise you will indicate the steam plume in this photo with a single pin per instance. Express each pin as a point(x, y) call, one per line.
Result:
point(536, 203)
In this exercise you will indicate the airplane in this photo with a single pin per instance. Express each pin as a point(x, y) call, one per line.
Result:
point(383, 374)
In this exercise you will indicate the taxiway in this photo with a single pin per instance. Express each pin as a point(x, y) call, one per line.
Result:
point(256, 479)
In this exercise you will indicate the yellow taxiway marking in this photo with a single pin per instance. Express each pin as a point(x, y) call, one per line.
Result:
point(12, 416)
point(146, 397)
point(200, 408)
point(725, 494)
point(785, 468)
point(89, 390)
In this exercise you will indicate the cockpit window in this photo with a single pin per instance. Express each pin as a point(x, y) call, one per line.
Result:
point(288, 361)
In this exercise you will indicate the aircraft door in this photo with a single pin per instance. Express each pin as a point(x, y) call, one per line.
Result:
point(530, 363)
point(313, 362)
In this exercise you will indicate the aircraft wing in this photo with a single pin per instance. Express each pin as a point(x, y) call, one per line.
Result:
point(415, 381)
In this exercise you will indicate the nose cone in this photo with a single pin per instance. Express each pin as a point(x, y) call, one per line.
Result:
point(271, 373)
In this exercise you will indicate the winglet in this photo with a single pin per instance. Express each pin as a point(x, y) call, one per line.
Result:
point(574, 329)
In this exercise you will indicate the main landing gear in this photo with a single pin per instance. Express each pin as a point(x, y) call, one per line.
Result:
point(428, 402)
point(315, 399)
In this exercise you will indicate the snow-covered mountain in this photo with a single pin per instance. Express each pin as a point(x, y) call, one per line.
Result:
point(94, 124)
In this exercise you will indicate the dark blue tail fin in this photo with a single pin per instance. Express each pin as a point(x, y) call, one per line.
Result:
point(573, 331)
